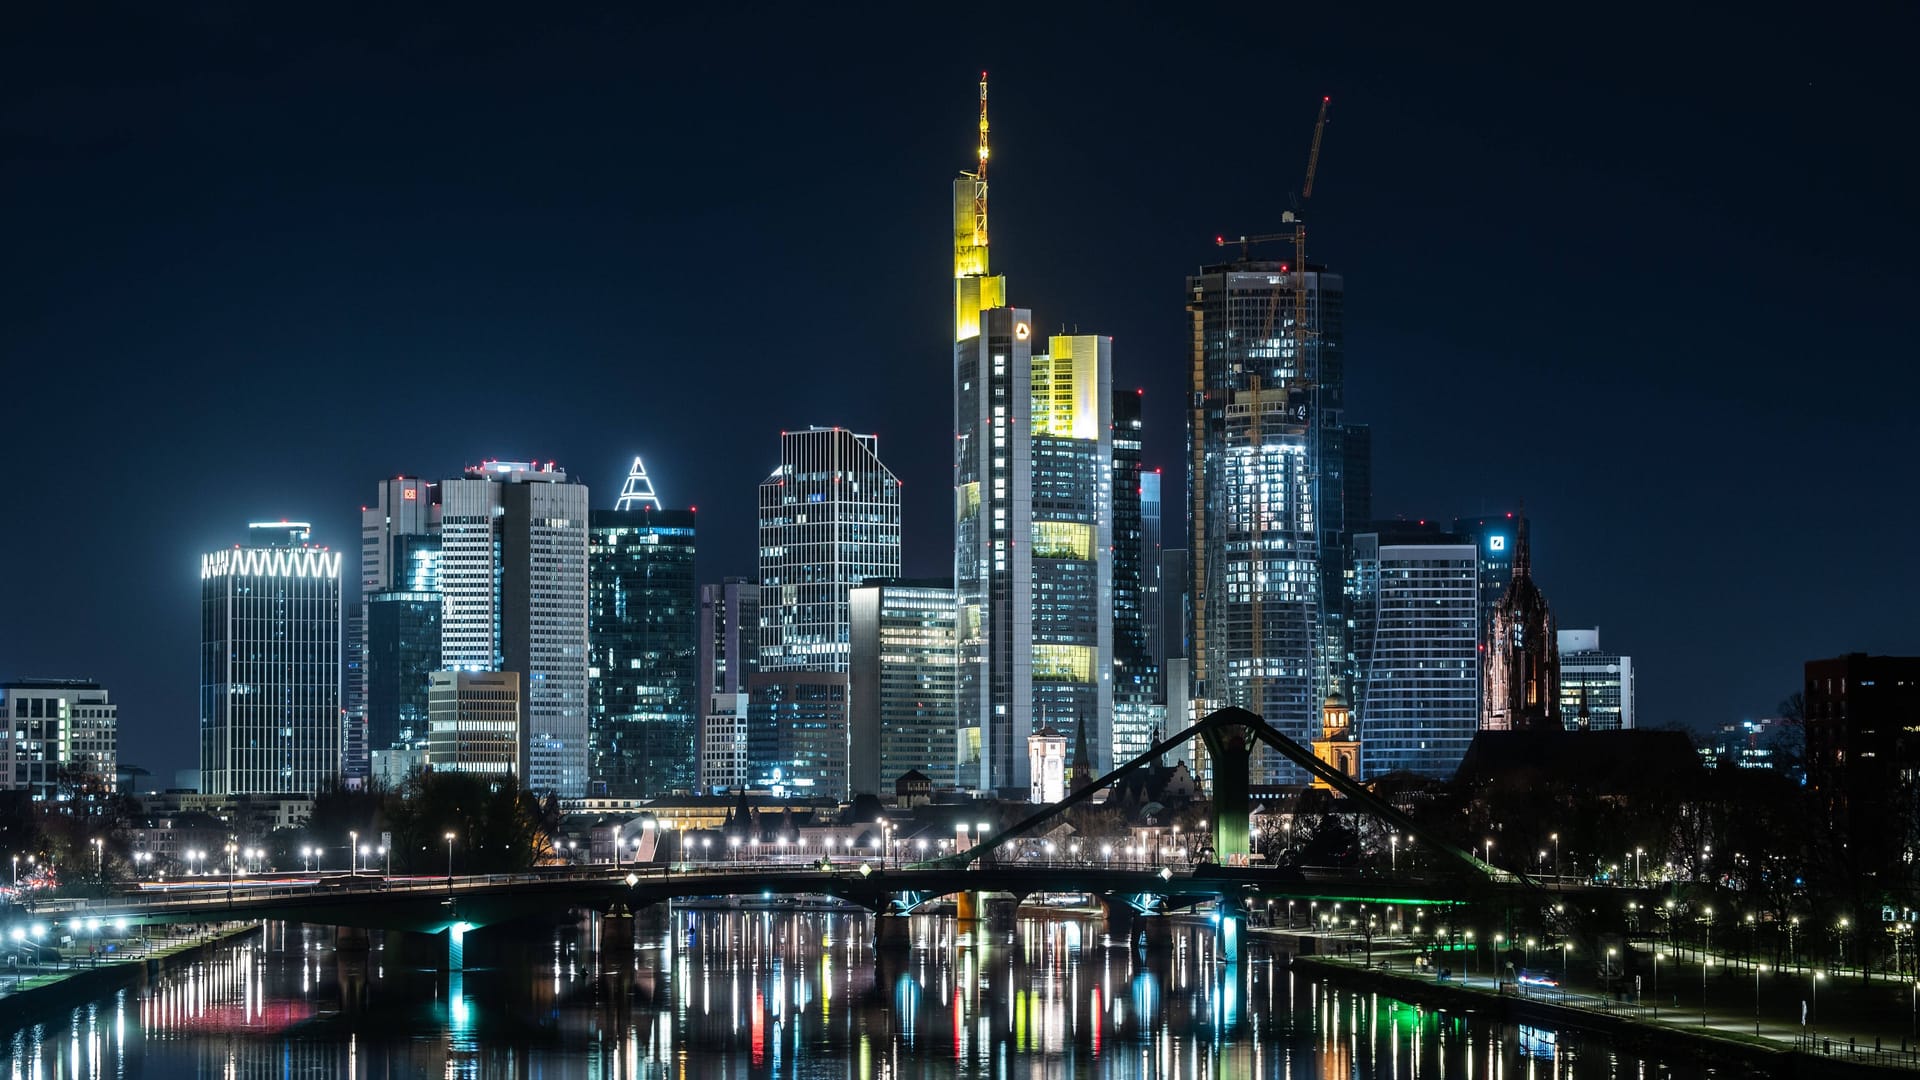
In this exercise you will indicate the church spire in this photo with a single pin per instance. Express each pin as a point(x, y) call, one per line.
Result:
point(1522, 556)
point(1082, 761)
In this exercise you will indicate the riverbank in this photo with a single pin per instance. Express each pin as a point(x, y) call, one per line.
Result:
point(34, 997)
point(1716, 1040)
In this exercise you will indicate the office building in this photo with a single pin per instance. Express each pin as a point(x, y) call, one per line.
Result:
point(729, 655)
point(1596, 687)
point(1153, 593)
point(1496, 537)
point(1138, 701)
point(399, 545)
point(61, 738)
point(1265, 483)
point(513, 583)
point(902, 708)
point(805, 715)
point(1416, 636)
point(643, 631)
point(402, 643)
point(1033, 559)
point(473, 723)
point(1863, 756)
point(829, 520)
point(1521, 689)
point(270, 664)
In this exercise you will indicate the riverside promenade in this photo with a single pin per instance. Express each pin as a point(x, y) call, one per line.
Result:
point(1742, 1011)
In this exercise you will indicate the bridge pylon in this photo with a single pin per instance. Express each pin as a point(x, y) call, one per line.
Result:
point(1230, 747)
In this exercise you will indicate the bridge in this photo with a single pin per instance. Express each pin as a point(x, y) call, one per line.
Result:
point(1134, 898)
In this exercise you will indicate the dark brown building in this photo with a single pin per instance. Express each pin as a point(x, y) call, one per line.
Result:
point(1863, 753)
point(1522, 691)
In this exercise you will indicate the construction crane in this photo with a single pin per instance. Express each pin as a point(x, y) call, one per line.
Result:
point(1300, 382)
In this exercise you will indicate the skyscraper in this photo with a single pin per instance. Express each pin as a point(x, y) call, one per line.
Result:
point(399, 553)
point(1033, 559)
point(729, 655)
point(513, 575)
point(902, 682)
point(643, 682)
point(1416, 637)
point(270, 665)
point(1522, 687)
point(1138, 704)
point(1266, 482)
point(829, 519)
point(1862, 756)
point(1153, 594)
point(1596, 686)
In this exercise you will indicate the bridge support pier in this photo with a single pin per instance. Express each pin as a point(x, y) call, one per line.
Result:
point(616, 934)
point(892, 933)
point(1003, 914)
point(351, 939)
point(457, 947)
point(1229, 934)
point(1116, 919)
point(1153, 932)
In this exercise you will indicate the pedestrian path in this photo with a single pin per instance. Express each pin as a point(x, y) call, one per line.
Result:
point(1832, 1031)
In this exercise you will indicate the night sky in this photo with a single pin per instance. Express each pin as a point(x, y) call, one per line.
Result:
point(1652, 273)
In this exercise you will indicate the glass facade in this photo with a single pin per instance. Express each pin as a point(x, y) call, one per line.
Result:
point(403, 652)
point(270, 666)
point(53, 725)
point(805, 713)
point(1417, 652)
point(1137, 702)
point(643, 631)
point(903, 680)
point(1267, 482)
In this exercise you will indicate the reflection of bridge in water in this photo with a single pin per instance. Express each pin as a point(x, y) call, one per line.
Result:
point(1135, 900)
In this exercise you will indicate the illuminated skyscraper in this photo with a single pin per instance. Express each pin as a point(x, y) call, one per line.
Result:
point(1416, 683)
point(399, 553)
point(829, 520)
point(1268, 491)
point(1033, 559)
point(270, 666)
point(643, 627)
point(513, 575)
point(1138, 704)
point(902, 680)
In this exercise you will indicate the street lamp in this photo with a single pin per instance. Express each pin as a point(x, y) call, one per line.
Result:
point(1489, 846)
point(99, 861)
point(1656, 983)
point(1556, 854)
point(1757, 969)
point(1813, 1013)
point(1393, 852)
point(449, 839)
point(353, 845)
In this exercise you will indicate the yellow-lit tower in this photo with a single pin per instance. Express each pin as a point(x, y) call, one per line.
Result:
point(974, 289)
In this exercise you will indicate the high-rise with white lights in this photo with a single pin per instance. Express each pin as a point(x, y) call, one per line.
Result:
point(829, 520)
point(513, 578)
point(270, 664)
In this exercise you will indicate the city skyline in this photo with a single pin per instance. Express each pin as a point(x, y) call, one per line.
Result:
point(1528, 343)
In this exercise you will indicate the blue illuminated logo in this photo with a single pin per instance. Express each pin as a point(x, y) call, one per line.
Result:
point(1496, 543)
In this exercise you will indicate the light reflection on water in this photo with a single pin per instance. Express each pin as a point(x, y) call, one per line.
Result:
point(711, 994)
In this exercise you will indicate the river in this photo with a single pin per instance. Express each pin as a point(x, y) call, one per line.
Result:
point(720, 994)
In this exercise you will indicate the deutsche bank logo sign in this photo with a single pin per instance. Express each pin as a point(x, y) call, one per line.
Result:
point(1496, 543)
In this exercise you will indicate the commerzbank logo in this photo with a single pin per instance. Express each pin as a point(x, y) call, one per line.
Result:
point(271, 562)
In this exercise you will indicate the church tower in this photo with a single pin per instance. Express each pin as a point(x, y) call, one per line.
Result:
point(1523, 654)
point(1338, 744)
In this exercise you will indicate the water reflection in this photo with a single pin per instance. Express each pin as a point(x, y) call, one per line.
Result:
point(711, 994)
